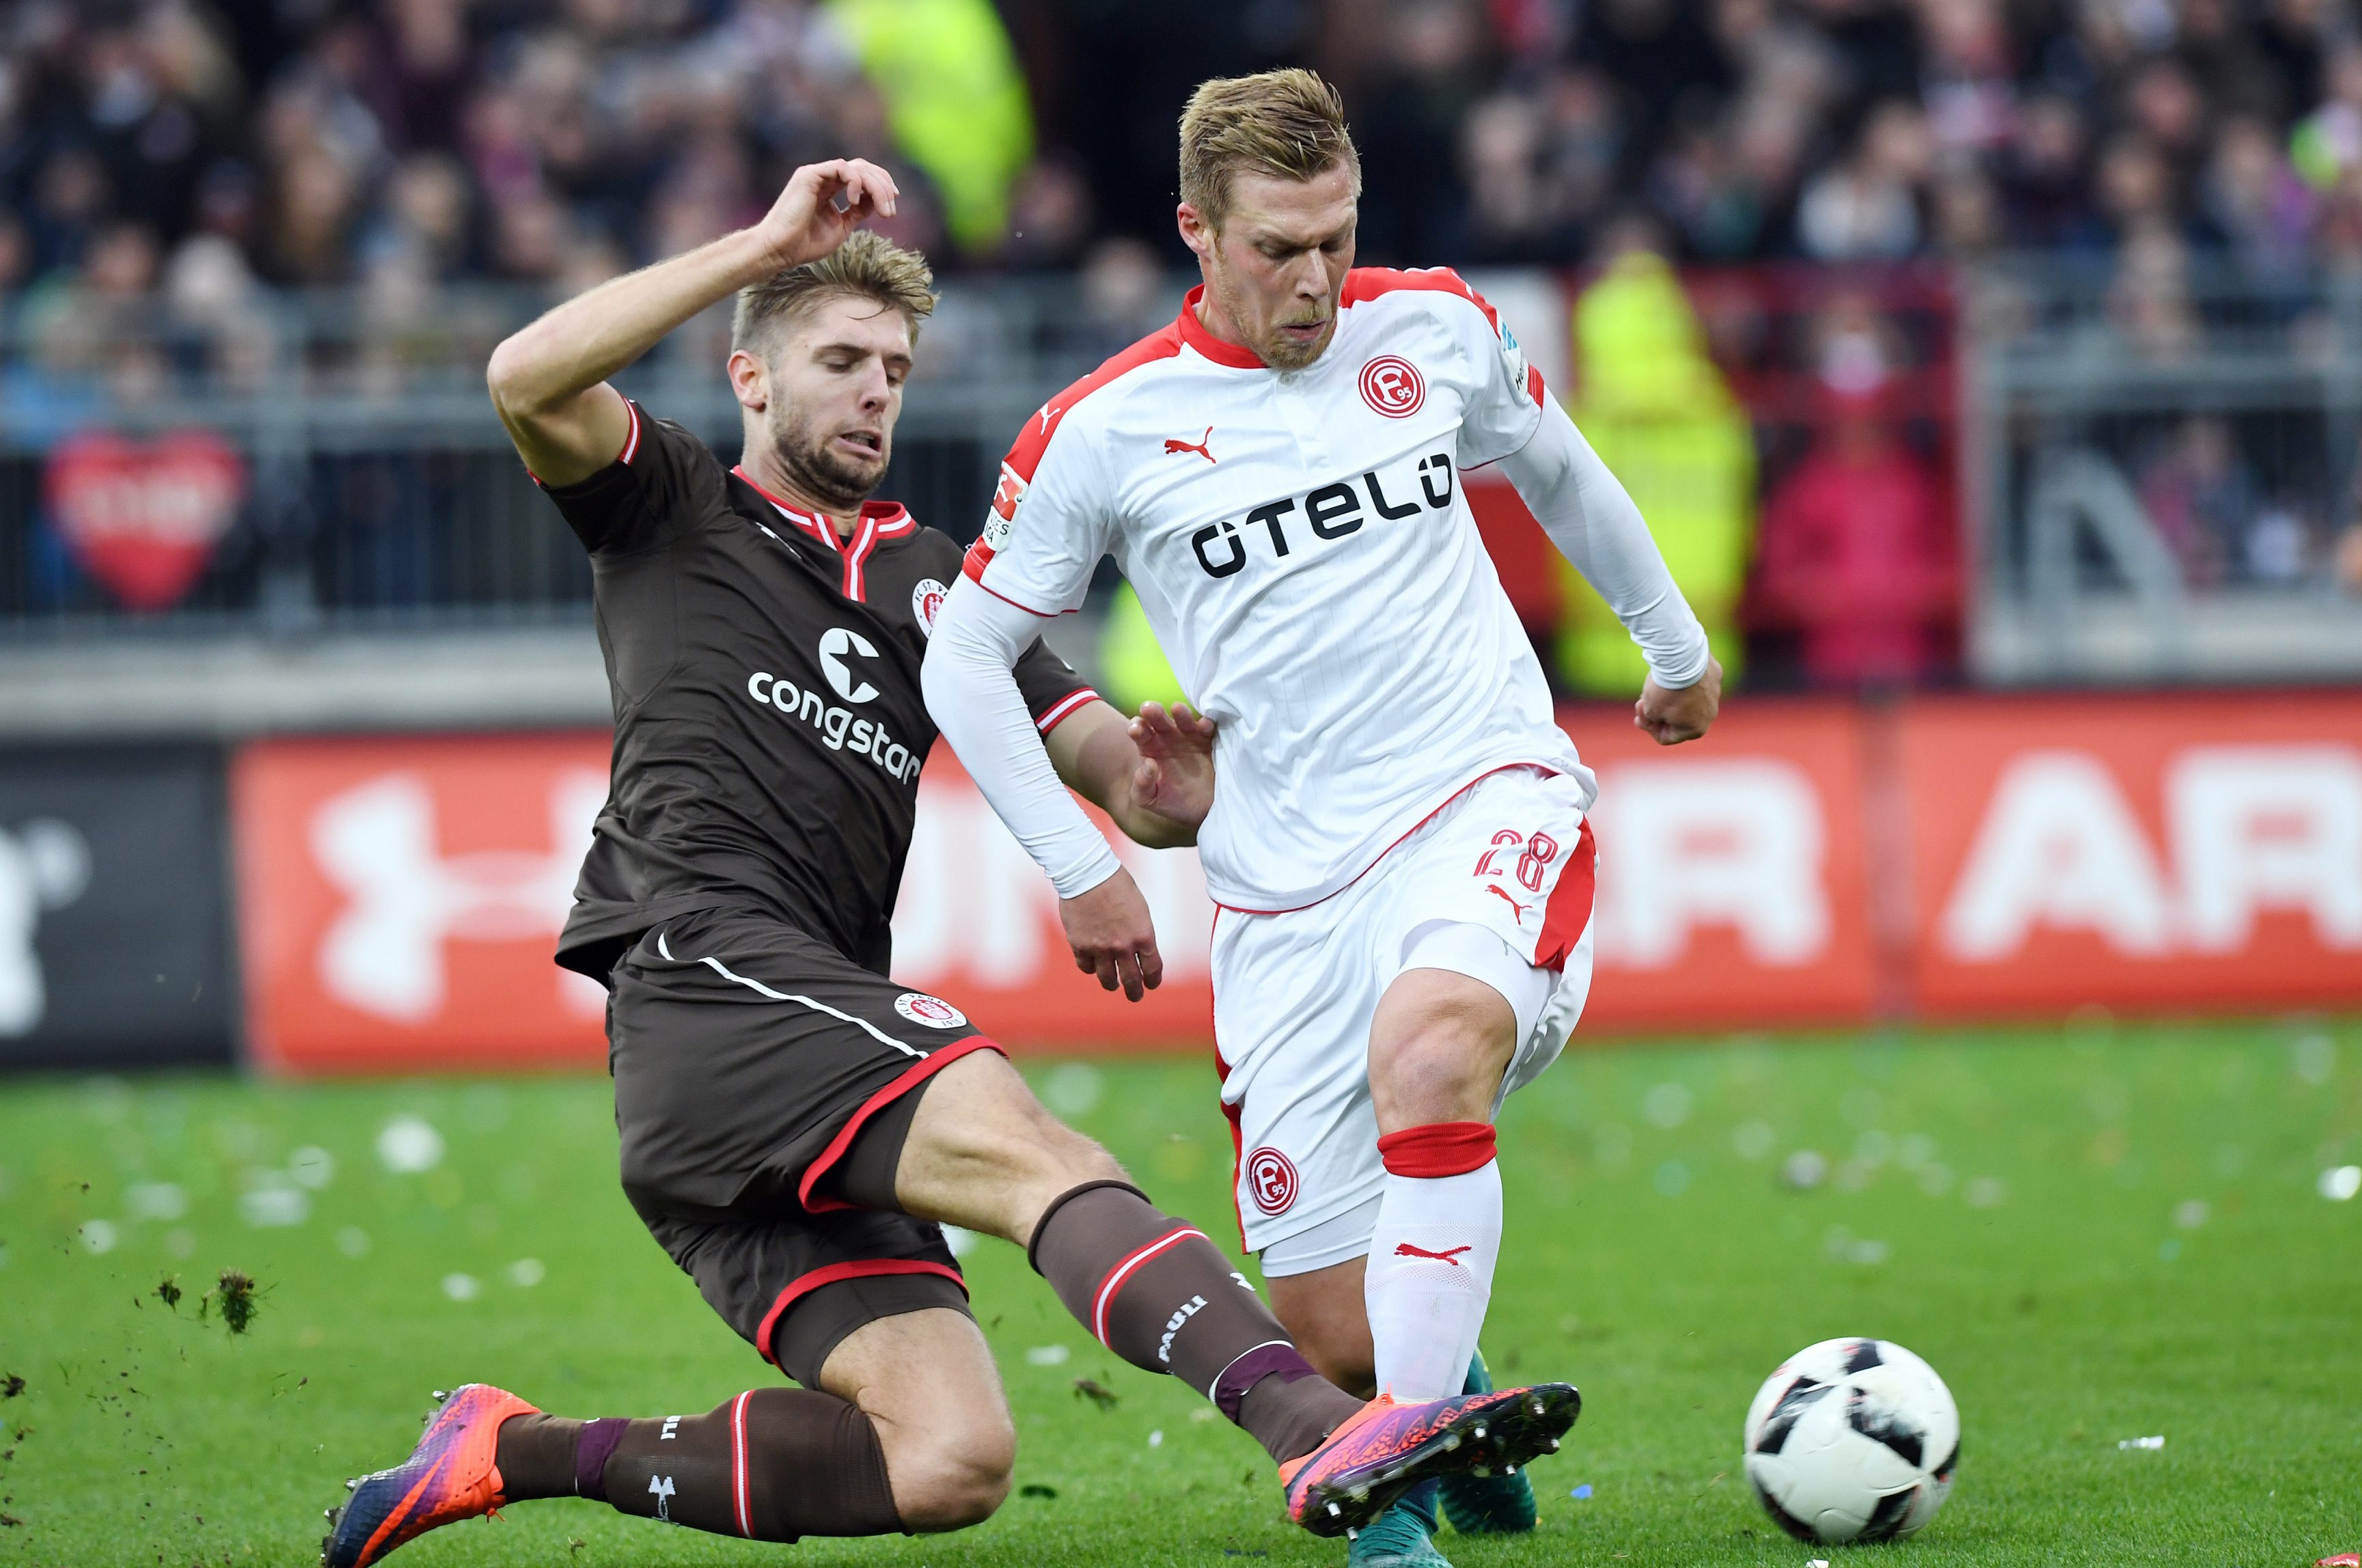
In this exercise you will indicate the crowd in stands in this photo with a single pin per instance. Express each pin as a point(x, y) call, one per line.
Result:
point(318, 142)
point(191, 153)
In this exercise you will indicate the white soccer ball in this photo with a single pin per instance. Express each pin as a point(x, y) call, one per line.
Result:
point(1853, 1440)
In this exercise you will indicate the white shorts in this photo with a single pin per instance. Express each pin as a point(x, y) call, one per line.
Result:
point(1497, 885)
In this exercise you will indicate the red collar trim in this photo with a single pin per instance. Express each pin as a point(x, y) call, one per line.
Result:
point(820, 528)
point(1193, 332)
point(891, 519)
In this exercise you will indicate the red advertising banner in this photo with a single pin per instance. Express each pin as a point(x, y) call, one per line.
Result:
point(2139, 852)
point(1731, 878)
point(399, 900)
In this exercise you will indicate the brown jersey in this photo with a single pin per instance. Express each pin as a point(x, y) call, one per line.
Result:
point(769, 726)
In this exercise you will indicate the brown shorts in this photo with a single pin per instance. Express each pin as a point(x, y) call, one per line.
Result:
point(763, 1085)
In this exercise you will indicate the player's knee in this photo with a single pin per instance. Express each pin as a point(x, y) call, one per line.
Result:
point(955, 1473)
point(1439, 1052)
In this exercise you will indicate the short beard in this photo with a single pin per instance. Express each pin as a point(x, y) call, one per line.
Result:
point(1277, 353)
point(820, 472)
point(1286, 354)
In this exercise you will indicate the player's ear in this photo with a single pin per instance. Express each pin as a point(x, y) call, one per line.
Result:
point(750, 379)
point(1196, 232)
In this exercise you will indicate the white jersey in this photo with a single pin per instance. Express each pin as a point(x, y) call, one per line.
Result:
point(1302, 543)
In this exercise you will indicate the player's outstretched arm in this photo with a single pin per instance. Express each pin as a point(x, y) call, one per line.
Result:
point(971, 690)
point(1592, 522)
point(1154, 774)
point(549, 381)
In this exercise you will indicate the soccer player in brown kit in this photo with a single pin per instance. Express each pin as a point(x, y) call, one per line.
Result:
point(794, 1126)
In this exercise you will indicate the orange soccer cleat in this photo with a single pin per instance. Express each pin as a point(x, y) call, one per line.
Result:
point(450, 1476)
point(1385, 1449)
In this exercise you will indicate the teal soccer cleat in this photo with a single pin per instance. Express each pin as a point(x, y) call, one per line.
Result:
point(1402, 1537)
point(1499, 1504)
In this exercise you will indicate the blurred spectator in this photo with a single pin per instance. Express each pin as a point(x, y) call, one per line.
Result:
point(1858, 554)
point(2254, 198)
point(2200, 496)
point(1049, 215)
point(1662, 418)
point(1867, 209)
point(958, 103)
point(2043, 177)
point(2148, 299)
point(2328, 143)
point(1428, 78)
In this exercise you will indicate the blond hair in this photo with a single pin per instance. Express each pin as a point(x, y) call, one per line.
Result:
point(866, 266)
point(1286, 124)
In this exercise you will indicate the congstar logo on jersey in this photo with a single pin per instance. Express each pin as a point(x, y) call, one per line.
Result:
point(1331, 512)
point(838, 729)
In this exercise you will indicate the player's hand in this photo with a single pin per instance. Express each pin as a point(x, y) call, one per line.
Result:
point(806, 223)
point(1174, 778)
point(1112, 936)
point(1671, 717)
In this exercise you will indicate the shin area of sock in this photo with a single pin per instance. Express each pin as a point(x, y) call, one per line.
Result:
point(1429, 1276)
point(1158, 1293)
point(772, 1465)
point(1151, 1288)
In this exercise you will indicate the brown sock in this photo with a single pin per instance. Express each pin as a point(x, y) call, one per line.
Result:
point(772, 1465)
point(1154, 1290)
point(535, 1455)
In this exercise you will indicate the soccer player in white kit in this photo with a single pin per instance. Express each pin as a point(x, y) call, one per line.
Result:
point(1398, 846)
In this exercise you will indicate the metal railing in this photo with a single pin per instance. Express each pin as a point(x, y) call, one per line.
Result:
point(372, 487)
point(2158, 460)
point(2161, 470)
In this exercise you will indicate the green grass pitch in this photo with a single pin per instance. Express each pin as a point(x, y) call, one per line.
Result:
point(2095, 1234)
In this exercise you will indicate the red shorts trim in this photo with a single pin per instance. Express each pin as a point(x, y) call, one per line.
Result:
point(860, 1269)
point(1568, 914)
point(918, 1073)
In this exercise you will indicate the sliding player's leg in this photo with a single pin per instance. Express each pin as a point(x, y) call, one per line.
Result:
point(982, 1152)
point(907, 1430)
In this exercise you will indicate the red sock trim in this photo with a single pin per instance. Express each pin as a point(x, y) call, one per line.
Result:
point(864, 1268)
point(738, 1490)
point(1438, 1149)
point(919, 1072)
point(1113, 1284)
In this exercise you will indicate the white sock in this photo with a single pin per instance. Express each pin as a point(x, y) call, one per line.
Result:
point(1429, 1276)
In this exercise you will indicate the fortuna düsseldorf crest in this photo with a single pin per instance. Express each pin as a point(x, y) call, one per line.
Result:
point(1391, 385)
point(1271, 1179)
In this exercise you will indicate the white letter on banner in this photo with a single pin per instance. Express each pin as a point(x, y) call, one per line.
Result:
point(2059, 847)
point(2266, 827)
point(1738, 842)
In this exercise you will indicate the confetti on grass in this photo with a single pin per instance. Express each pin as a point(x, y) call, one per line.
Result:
point(2157, 1442)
